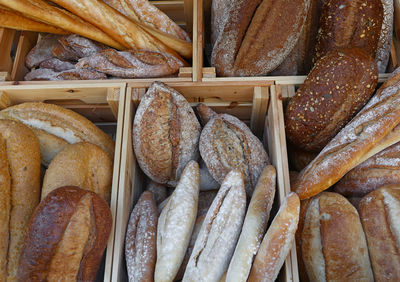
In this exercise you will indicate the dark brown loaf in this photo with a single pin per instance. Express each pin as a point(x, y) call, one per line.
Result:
point(379, 170)
point(42, 51)
point(337, 88)
point(379, 212)
point(333, 241)
point(349, 23)
point(141, 239)
point(80, 223)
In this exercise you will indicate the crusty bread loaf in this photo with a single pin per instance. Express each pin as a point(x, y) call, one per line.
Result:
point(218, 235)
point(176, 223)
point(159, 191)
point(42, 51)
point(21, 158)
point(385, 38)
point(300, 263)
point(165, 134)
point(66, 238)
point(141, 239)
point(333, 241)
point(338, 86)
point(298, 158)
point(227, 143)
point(56, 65)
point(277, 241)
point(72, 74)
point(349, 23)
point(61, 122)
point(379, 212)
point(354, 141)
point(254, 226)
point(205, 113)
point(81, 164)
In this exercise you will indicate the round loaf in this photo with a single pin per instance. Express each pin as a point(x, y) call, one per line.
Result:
point(380, 217)
point(226, 143)
point(165, 134)
point(66, 237)
point(81, 164)
point(337, 88)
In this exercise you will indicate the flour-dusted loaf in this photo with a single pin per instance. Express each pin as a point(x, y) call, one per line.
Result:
point(20, 191)
point(277, 241)
point(360, 136)
point(227, 143)
point(141, 240)
point(57, 65)
point(175, 224)
point(338, 86)
point(385, 38)
point(81, 164)
point(42, 51)
point(165, 134)
point(349, 23)
point(219, 233)
point(333, 241)
point(379, 170)
point(380, 217)
point(72, 74)
point(254, 226)
point(66, 237)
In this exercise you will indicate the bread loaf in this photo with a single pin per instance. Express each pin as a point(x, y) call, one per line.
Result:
point(207, 182)
point(159, 191)
point(333, 241)
point(165, 134)
point(385, 37)
point(379, 212)
point(254, 226)
point(20, 160)
point(298, 158)
point(277, 242)
point(219, 233)
point(72, 74)
point(300, 263)
point(338, 86)
point(81, 164)
point(226, 143)
point(42, 51)
point(56, 65)
point(141, 239)
point(349, 23)
point(80, 223)
point(356, 139)
point(176, 223)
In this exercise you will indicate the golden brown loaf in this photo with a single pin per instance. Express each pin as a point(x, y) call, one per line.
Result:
point(165, 134)
point(349, 23)
point(347, 149)
point(338, 86)
point(333, 241)
point(81, 164)
point(277, 241)
point(23, 163)
point(5, 208)
point(66, 238)
point(141, 239)
point(380, 217)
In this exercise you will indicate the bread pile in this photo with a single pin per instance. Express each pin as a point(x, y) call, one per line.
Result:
point(261, 37)
point(58, 229)
point(110, 38)
point(204, 231)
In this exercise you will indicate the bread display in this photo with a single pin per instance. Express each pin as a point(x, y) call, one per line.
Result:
point(19, 193)
point(254, 226)
point(80, 224)
point(165, 134)
point(349, 23)
point(176, 223)
point(58, 126)
point(141, 239)
point(364, 133)
point(339, 85)
point(227, 143)
point(333, 241)
point(218, 235)
point(81, 164)
point(277, 241)
point(379, 212)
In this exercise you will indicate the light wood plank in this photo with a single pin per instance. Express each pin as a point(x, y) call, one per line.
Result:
point(26, 42)
point(259, 110)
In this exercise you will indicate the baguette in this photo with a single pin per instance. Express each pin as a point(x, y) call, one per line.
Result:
point(15, 20)
point(277, 241)
point(254, 226)
point(42, 11)
point(354, 141)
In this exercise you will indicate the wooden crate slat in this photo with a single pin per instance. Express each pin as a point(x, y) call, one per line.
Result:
point(6, 40)
point(259, 110)
point(27, 41)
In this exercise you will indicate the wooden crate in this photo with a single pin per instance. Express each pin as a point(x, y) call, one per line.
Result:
point(208, 73)
point(101, 103)
point(258, 105)
point(15, 45)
